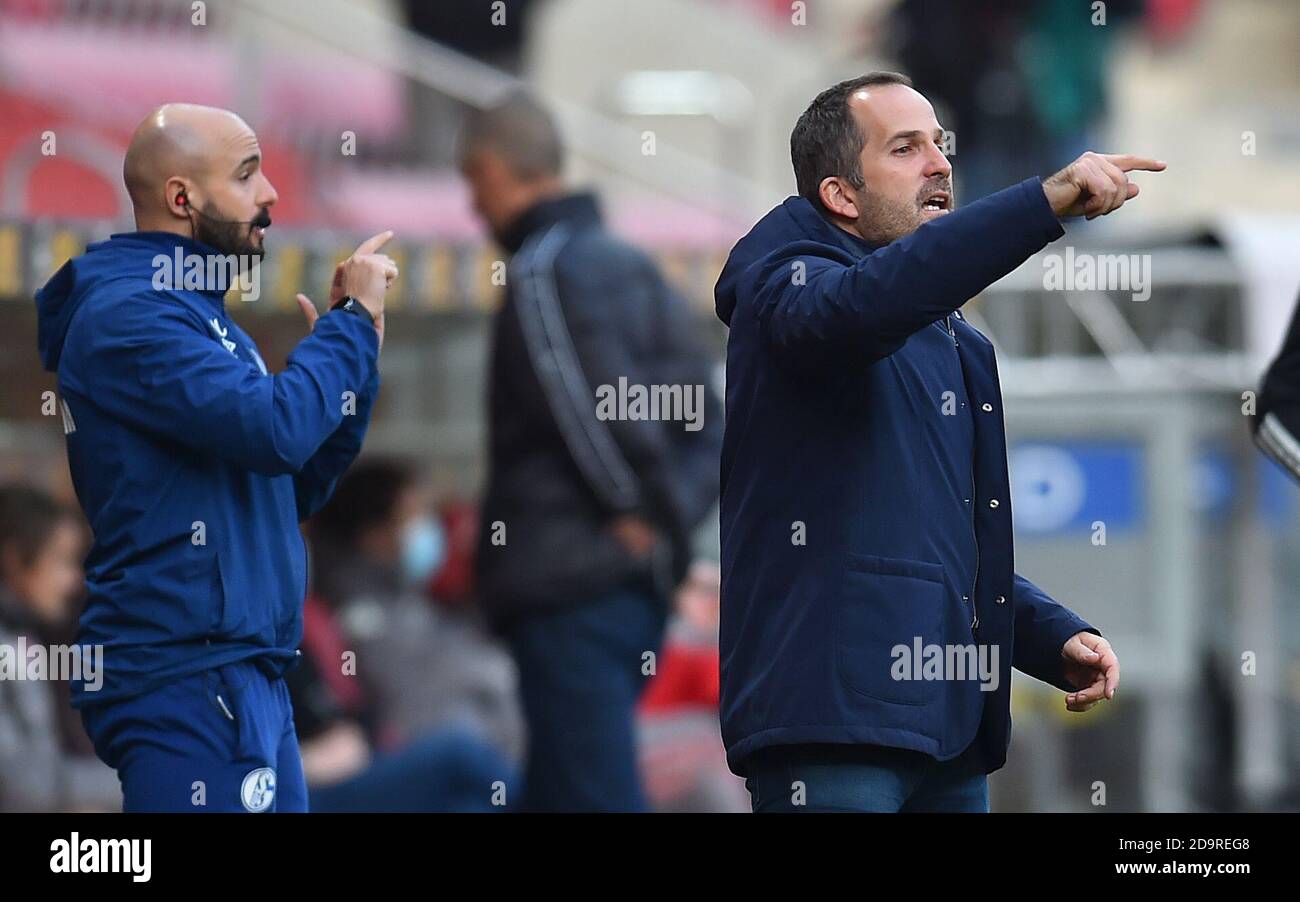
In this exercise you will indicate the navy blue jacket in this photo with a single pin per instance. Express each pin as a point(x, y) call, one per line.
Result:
point(865, 497)
point(192, 463)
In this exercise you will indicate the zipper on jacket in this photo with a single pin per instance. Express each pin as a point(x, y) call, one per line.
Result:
point(947, 321)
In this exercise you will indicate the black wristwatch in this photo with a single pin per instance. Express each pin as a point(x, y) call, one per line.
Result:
point(349, 304)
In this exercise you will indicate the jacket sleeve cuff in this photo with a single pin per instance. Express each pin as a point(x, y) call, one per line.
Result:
point(1059, 637)
point(1039, 210)
point(358, 325)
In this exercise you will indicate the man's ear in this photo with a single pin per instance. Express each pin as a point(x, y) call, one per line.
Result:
point(177, 197)
point(837, 197)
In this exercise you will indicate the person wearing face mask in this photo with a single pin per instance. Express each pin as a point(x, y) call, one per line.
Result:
point(40, 578)
point(376, 547)
point(424, 548)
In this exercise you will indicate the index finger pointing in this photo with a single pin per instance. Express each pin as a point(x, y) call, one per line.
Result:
point(1128, 161)
point(374, 243)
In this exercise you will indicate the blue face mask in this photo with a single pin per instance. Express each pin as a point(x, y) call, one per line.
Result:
point(424, 548)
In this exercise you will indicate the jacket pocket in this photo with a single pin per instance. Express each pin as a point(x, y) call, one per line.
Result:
point(884, 606)
point(189, 600)
point(233, 621)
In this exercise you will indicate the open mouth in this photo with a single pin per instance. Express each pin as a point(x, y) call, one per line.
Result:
point(938, 202)
point(261, 222)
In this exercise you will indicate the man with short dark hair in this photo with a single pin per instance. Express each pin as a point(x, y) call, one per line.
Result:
point(870, 610)
point(591, 501)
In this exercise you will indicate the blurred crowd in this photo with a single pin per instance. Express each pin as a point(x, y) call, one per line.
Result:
point(403, 699)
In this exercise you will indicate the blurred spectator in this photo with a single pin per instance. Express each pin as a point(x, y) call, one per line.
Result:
point(1020, 83)
point(486, 30)
point(376, 545)
point(588, 516)
point(41, 546)
point(687, 675)
point(684, 765)
point(443, 770)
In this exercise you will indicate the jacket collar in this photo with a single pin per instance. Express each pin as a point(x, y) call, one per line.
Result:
point(815, 225)
point(578, 208)
point(180, 251)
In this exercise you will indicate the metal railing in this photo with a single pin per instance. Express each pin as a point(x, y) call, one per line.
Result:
point(361, 33)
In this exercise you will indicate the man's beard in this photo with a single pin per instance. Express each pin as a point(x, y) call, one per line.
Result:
point(229, 237)
point(882, 220)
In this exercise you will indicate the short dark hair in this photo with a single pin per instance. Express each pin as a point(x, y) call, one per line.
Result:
point(827, 141)
point(521, 130)
point(366, 496)
point(28, 518)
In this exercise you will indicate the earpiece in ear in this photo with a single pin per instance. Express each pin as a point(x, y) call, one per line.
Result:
point(181, 199)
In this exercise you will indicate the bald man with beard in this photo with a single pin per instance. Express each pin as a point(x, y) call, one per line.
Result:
point(194, 466)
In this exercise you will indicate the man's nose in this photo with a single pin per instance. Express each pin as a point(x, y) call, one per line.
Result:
point(267, 197)
point(936, 164)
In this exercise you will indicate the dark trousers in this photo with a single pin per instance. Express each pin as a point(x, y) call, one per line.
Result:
point(220, 740)
point(581, 671)
point(862, 778)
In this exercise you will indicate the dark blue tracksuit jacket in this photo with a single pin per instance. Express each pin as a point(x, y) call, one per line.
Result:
point(856, 514)
point(193, 465)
